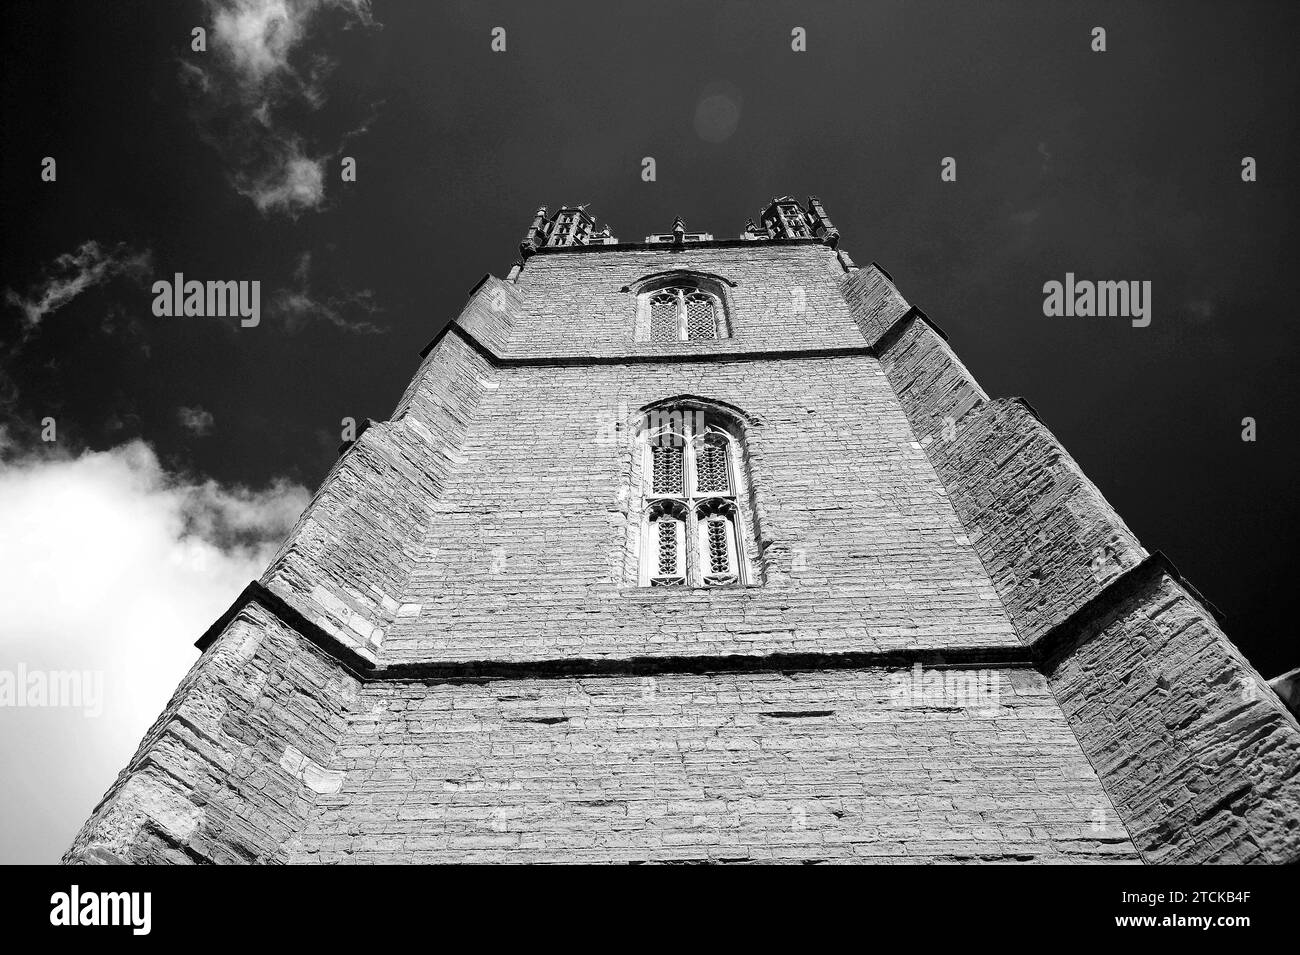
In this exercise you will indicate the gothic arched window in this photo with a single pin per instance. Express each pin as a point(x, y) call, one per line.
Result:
point(692, 530)
point(681, 307)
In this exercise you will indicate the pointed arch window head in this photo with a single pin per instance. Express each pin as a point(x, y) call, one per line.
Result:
point(668, 458)
point(713, 464)
point(693, 533)
point(682, 308)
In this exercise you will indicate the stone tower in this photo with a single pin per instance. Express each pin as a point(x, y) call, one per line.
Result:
point(708, 550)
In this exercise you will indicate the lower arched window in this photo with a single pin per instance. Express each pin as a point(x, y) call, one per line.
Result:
point(665, 556)
point(715, 523)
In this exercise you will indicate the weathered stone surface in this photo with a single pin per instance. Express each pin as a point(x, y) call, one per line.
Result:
point(772, 767)
point(1196, 751)
point(874, 303)
point(209, 782)
point(346, 563)
point(860, 549)
point(491, 313)
point(1158, 696)
point(784, 298)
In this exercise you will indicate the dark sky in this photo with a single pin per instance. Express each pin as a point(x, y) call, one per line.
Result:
point(1118, 165)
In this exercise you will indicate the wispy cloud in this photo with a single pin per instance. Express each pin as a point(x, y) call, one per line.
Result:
point(299, 305)
point(73, 273)
point(195, 420)
point(255, 86)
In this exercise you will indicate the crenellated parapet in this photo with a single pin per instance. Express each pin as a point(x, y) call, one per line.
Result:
point(784, 219)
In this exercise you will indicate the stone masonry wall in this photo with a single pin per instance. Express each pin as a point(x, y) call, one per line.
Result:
point(1191, 740)
point(784, 299)
point(228, 770)
point(346, 563)
point(841, 766)
point(1198, 771)
point(861, 548)
point(231, 768)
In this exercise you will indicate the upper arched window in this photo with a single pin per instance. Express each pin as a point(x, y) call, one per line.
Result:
point(694, 529)
point(681, 307)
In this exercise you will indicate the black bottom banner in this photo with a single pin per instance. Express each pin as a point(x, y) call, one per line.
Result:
point(1144, 904)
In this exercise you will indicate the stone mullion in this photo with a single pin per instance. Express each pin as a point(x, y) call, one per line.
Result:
point(693, 576)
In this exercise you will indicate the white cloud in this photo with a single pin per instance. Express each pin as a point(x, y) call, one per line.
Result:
point(73, 273)
point(294, 182)
point(256, 78)
point(196, 420)
point(110, 564)
point(257, 35)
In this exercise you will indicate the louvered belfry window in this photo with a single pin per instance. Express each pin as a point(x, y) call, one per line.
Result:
point(692, 530)
point(664, 316)
point(685, 313)
point(701, 317)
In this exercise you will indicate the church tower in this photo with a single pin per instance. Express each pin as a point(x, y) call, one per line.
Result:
point(697, 549)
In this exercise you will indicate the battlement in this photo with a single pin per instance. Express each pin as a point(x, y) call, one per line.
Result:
point(783, 219)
